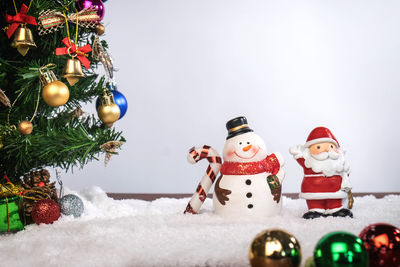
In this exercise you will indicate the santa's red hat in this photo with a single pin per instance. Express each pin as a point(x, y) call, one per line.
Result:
point(320, 135)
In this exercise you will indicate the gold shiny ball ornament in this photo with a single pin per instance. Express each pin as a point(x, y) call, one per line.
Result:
point(100, 29)
point(275, 247)
point(55, 94)
point(25, 127)
point(108, 114)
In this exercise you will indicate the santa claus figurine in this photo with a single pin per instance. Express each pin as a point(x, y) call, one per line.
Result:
point(325, 185)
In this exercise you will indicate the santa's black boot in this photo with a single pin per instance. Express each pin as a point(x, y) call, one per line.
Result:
point(343, 213)
point(312, 215)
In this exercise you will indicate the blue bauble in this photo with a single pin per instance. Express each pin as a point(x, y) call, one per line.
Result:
point(119, 99)
point(71, 205)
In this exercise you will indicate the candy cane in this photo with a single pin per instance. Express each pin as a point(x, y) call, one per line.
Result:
point(195, 155)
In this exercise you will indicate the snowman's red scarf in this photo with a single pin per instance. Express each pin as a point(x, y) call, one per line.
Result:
point(270, 164)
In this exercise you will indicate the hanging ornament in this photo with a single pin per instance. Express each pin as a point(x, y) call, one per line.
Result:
point(54, 93)
point(99, 53)
point(4, 99)
point(108, 111)
point(97, 4)
point(52, 20)
point(340, 249)
point(73, 69)
point(110, 147)
point(119, 99)
point(275, 247)
point(71, 205)
point(45, 211)
point(23, 39)
point(100, 29)
point(382, 242)
point(25, 127)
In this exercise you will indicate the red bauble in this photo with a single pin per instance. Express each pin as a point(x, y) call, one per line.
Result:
point(45, 211)
point(382, 242)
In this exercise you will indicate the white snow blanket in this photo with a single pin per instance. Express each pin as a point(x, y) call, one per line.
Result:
point(140, 233)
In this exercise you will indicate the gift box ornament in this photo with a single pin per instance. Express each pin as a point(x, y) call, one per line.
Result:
point(10, 220)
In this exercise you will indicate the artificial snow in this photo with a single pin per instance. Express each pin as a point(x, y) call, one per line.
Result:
point(140, 233)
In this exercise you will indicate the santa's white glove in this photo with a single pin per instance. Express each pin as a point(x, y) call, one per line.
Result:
point(296, 151)
point(346, 186)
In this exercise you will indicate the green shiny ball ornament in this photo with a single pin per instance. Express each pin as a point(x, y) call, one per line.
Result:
point(275, 247)
point(340, 249)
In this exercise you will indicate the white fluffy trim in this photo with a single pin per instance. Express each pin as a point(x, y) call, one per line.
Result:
point(320, 140)
point(335, 195)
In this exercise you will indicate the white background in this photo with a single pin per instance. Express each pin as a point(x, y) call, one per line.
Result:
point(187, 67)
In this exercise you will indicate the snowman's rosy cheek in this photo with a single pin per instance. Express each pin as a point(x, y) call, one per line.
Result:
point(230, 153)
point(254, 149)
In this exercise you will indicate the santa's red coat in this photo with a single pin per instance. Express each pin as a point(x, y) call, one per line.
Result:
point(318, 186)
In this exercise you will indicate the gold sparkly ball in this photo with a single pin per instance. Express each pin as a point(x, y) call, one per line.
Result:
point(25, 127)
point(100, 29)
point(275, 247)
point(108, 113)
point(55, 94)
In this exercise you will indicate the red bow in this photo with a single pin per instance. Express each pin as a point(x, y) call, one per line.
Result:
point(21, 17)
point(71, 48)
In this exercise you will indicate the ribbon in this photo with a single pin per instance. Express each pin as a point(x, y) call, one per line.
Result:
point(52, 20)
point(71, 48)
point(16, 20)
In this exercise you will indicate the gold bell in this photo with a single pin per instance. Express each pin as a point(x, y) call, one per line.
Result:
point(73, 71)
point(23, 40)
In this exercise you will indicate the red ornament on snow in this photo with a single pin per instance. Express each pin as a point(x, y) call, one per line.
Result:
point(382, 242)
point(45, 211)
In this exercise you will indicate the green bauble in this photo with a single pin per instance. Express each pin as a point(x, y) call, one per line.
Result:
point(340, 249)
point(12, 222)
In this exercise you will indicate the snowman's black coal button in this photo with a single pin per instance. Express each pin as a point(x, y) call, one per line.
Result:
point(250, 206)
point(249, 195)
point(248, 182)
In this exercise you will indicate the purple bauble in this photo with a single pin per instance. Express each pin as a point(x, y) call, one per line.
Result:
point(98, 4)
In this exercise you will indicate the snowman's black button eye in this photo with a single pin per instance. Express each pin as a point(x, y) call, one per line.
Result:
point(240, 143)
point(248, 143)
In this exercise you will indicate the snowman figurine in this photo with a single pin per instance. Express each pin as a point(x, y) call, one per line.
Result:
point(250, 181)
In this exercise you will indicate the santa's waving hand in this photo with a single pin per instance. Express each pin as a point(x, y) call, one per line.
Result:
point(325, 183)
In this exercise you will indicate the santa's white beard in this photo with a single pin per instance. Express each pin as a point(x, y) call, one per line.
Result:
point(329, 163)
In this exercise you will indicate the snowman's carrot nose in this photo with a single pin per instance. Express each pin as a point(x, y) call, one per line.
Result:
point(247, 148)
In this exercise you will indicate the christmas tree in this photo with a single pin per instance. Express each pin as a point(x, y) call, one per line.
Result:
point(51, 34)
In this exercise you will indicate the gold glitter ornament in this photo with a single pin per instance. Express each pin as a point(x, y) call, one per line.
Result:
point(25, 127)
point(275, 247)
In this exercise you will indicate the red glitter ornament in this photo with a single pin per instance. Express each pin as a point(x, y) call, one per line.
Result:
point(45, 211)
point(382, 242)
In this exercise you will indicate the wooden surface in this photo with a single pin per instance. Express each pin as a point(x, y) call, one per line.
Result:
point(150, 197)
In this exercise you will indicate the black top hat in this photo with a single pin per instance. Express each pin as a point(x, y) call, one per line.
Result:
point(237, 126)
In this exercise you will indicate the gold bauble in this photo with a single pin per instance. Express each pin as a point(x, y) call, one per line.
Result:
point(108, 113)
point(275, 247)
point(25, 127)
point(100, 29)
point(55, 94)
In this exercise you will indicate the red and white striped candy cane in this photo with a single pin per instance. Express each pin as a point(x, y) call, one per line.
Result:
point(195, 155)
